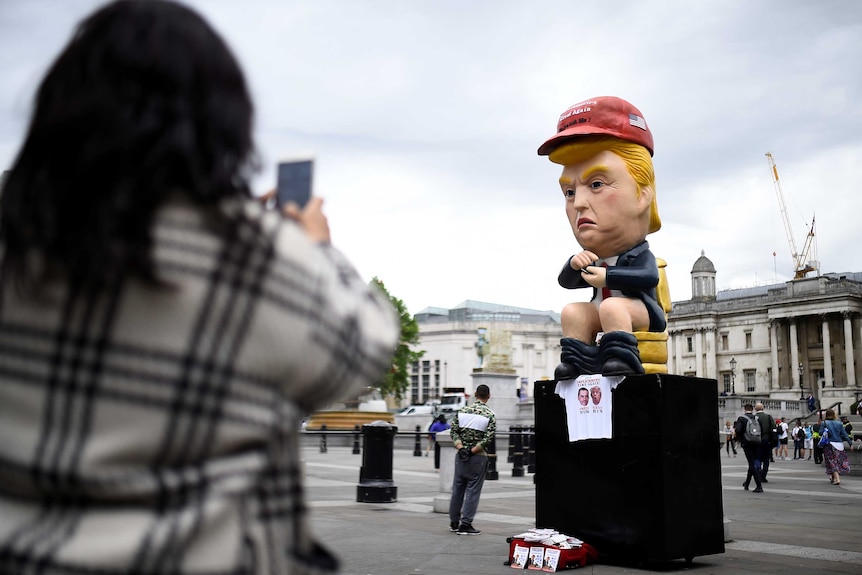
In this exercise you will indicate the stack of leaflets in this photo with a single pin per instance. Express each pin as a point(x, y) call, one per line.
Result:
point(551, 538)
point(544, 553)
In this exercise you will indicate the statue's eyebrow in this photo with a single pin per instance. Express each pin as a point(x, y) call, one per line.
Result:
point(593, 170)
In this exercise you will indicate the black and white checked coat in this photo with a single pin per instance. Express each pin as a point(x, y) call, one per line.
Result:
point(155, 430)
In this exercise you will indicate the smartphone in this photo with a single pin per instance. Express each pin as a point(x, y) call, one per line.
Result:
point(294, 182)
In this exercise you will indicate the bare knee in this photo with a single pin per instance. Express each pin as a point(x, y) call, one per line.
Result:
point(580, 321)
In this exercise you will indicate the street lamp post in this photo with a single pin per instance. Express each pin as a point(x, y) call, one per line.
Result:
point(801, 387)
point(733, 375)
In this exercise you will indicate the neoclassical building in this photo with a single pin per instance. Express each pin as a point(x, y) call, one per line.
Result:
point(449, 338)
point(780, 341)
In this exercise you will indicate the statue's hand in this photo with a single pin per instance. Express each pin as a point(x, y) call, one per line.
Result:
point(582, 260)
point(596, 276)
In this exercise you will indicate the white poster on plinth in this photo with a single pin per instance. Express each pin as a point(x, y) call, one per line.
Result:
point(588, 405)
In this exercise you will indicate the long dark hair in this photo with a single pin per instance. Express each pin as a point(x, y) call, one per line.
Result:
point(146, 101)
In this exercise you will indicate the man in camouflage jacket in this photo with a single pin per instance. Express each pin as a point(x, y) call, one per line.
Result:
point(473, 430)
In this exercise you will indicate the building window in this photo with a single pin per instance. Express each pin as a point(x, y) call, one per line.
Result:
point(414, 367)
point(689, 344)
point(426, 366)
point(750, 377)
point(726, 382)
point(437, 365)
point(748, 340)
point(724, 342)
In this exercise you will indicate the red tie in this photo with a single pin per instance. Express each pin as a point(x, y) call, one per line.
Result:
point(606, 291)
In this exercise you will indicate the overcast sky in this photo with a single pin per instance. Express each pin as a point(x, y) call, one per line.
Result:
point(425, 116)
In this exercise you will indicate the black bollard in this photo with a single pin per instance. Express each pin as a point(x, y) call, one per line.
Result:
point(511, 444)
point(323, 439)
point(375, 475)
point(417, 447)
point(492, 474)
point(531, 450)
point(356, 439)
point(518, 455)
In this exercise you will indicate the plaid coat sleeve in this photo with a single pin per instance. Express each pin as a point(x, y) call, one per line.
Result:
point(154, 430)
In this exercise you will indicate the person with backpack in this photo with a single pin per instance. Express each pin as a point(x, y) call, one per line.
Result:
point(798, 441)
point(748, 431)
point(782, 430)
point(815, 439)
point(769, 440)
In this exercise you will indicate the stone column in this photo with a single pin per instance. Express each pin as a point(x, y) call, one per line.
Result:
point(711, 368)
point(773, 326)
point(794, 351)
point(698, 352)
point(674, 350)
point(848, 348)
point(827, 352)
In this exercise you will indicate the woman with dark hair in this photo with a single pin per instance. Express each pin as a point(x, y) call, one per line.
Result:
point(162, 333)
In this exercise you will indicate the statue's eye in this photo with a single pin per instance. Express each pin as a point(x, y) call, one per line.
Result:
point(595, 185)
point(569, 193)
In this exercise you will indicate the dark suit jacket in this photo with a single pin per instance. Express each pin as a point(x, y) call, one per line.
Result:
point(635, 274)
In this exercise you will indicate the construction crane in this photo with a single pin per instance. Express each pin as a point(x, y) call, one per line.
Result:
point(801, 264)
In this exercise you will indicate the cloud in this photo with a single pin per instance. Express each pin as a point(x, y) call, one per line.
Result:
point(424, 119)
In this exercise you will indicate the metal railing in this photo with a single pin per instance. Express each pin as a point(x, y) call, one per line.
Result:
point(520, 439)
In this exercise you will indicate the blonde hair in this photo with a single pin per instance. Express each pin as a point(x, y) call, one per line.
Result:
point(637, 159)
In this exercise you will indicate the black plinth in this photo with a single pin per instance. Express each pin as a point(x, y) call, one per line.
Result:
point(650, 494)
point(375, 475)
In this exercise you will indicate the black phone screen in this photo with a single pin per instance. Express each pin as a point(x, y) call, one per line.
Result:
point(294, 182)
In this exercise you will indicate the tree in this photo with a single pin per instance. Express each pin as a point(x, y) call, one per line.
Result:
point(397, 380)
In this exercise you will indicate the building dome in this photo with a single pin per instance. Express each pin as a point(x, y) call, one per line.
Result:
point(703, 279)
point(703, 264)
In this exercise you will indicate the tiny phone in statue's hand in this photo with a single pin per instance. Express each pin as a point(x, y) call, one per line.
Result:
point(586, 271)
point(294, 182)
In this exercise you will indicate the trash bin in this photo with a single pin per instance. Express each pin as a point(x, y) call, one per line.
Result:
point(651, 493)
point(375, 475)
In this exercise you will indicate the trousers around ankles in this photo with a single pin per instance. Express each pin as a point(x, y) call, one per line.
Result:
point(466, 488)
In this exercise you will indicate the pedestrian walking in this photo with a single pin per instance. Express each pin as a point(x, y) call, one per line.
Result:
point(782, 429)
point(764, 452)
point(750, 440)
point(798, 441)
point(439, 424)
point(729, 438)
point(834, 454)
point(816, 447)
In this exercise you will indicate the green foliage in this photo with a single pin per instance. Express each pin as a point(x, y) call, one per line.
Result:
point(397, 380)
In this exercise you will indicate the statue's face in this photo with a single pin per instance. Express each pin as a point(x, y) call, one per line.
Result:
point(606, 213)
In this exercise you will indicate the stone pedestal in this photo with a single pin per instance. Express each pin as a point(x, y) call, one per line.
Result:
point(504, 401)
point(447, 472)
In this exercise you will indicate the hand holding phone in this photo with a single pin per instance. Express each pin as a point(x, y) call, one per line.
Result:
point(294, 183)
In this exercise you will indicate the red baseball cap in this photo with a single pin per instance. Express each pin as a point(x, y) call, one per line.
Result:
point(601, 115)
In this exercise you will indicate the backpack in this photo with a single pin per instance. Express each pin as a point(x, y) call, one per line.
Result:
point(752, 430)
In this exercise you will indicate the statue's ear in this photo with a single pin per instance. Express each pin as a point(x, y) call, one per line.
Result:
point(646, 196)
